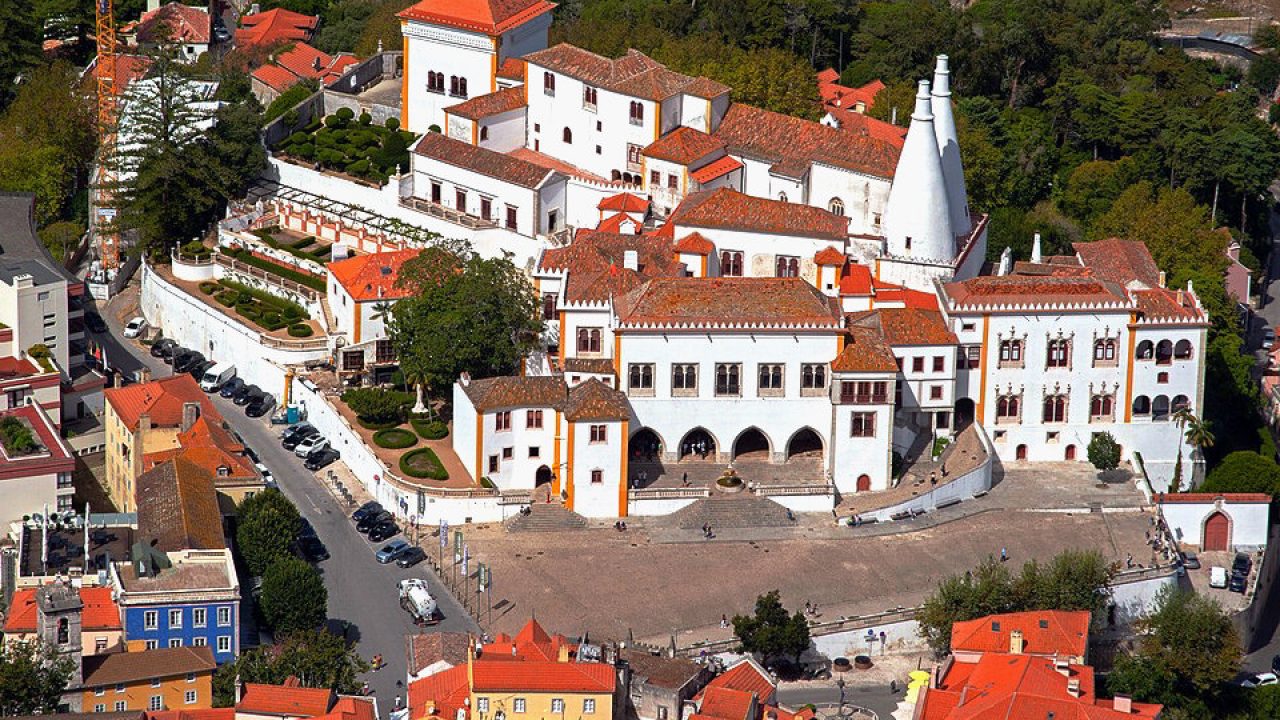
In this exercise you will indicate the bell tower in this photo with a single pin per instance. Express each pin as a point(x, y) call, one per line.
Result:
point(58, 621)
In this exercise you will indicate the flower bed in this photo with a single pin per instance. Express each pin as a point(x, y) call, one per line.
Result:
point(423, 463)
point(430, 429)
point(262, 309)
point(356, 147)
point(394, 439)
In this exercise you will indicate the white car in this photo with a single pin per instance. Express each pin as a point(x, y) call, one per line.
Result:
point(267, 478)
point(135, 327)
point(1268, 337)
point(1266, 678)
point(310, 445)
point(1217, 577)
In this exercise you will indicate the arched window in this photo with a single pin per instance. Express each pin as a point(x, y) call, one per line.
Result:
point(548, 84)
point(568, 136)
point(836, 206)
point(1180, 402)
point(1182, 350)
point(1055, 408)
point(1145, 351)
point(1160, 408)
point(435, 81)
point(64, 634)
point(616, 175)
point(1164, 352)
point(462, 87)
point(1008, 409)
point(1011, 353)
point(637, 113)
point(782, 197)
point(1104, 352)
point(484, 133)
point(453, 84)
point(787, 266)
point(589, 340)
point(1059, 353)
point(1142, 405)
point(1102, 408)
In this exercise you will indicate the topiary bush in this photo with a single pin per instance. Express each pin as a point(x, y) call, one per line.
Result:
point(423, 463)
point(430, 429)
point(393, 124)
point(300, 330)
point(208, 287)
point(366, 118)
point(345, 113)
point(395, 438)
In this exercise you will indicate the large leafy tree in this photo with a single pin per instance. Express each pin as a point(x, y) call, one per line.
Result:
point(464, 314)
point(318, 659)
point(267, 525)
point(1244, 471)
point(20, 38)
point(293, 596)
point(32, 678)
point(1190, 636)
point(772, 631)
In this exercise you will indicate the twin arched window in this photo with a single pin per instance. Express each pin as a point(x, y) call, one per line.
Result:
point(1008, 408)
point(1055, 408)
point(836, 206)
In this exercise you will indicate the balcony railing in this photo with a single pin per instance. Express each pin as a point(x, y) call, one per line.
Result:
point(447, 214)
point(258, 273)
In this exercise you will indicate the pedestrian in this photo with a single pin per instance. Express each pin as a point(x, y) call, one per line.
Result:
point(724, 621)
point(893, 687)
point(684, 479)
point(1004, 554)
point(807, 609)
point(933, 479)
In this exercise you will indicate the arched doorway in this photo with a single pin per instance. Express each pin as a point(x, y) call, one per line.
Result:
point(1020, 453)
point(1217, 532)
point(752, 444)
point(805, 443)
point(542, 479)
point(645, 446)
point(699, 444)
point(864, 483)
point(964, 413)
point(1071, 452)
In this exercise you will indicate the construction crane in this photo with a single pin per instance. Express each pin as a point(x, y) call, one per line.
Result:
point(108, 105)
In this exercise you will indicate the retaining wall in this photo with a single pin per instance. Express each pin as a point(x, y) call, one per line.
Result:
point(977, 480)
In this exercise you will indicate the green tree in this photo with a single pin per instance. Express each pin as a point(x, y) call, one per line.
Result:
point(293, 596)
point(62, 238)
point(1104, 452)
point(1244, 472)
point(1190, 636)
point(1143, 679)
point(381, 28)
point(471, 315)
point(772, 631)
point(376, 405)
point(267, 525)
point(32, 678)
point(985, 590)
point(343, 23)
point(20, 38)
point(317, 658)
point(289, 99)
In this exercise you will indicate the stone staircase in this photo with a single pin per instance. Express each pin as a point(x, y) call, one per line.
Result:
point(731, 511)
point(546, 517)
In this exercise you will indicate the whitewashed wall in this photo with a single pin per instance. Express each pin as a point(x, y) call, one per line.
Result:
point(1250, 522)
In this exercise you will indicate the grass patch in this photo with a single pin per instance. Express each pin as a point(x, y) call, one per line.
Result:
point(302, 278)
point(423, 463)
point(394, 439)
point(430, 429)
point(300, 330)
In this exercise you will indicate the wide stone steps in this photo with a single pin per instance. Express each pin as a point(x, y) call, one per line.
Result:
point(546, 517)
point(732, 511)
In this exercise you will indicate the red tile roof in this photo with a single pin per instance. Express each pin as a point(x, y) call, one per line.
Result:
point(275, 77)
point(492, 17)
point(1119, 261)
point(695, 244)
point(505, 167)
point(350, 708)
point(1193, 497)
point(128, 69)
point(1044, 632)
point(715, 169)
point(836, 95)
point(868, 126)
point(906, 326)
point(855, 280)
point(723, 302)
point(865, 351)
point(634, 74)
point(753, 132)
point(684, 146)
point(184, 23)
point(617, 222)
point(543, 676)
point(100, 612)
point(275, 25)
point(595, 401)
point(624, 202)
point(511, 69)
point(545, 161)
point(746, 676)
point(726, 704)
point(445, 693)
point(494, 103)
point(830, 256)
point(305, 61)
point(893, 294)
point(161, 399)
point(372, 277)
point(728, 209)
point(178, 507)
point(206, 714)
point(1027, 291)
point(132, 667)
point(594, 264)
point(12, 367)
point(1164, 304)
point(261, 699)
point(425, 649)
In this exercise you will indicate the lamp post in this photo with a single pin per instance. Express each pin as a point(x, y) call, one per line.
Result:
point(840, 684)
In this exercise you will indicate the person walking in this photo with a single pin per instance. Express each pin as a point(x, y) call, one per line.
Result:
point(1004, 554)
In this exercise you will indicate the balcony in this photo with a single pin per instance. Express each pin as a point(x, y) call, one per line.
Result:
point(437, 210)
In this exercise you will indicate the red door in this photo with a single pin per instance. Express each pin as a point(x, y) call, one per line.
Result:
point(1217, 532)
point(1071, 452)
point(864, 483)
point(1021, 452)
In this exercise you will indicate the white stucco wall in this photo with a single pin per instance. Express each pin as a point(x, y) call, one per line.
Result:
point(1249, 522)
point(864, 196)
point(602, 499)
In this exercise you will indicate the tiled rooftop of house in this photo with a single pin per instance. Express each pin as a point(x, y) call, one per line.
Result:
point(634, 74)
point(500, 166)
point(131, 667)
point(595, 264)
point(100, 611)
point(161, 400)
point(907, 326)
point(492, 17)
point(865, 351)
point(424, 649)
point(721, 302)
point(684, 146)
point(178, 507)
point(260, 699)
point(373, 276)
point(494, 103)
point(183, 23)
point(274, 26)
point(754, 132)
point(727, 209)
point(1044, 632)
point(592, 400)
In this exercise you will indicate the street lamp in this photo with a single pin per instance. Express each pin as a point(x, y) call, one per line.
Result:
point(840, 684)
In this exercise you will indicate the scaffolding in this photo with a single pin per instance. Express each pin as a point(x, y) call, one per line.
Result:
point(108, 104)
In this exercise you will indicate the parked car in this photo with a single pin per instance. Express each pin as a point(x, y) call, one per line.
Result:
point(94, 322)
point(1238, 583)
point(1217, 577)
point(173, 354)
point(163, 347)
point(265, 472)
point(261, 405)
point(312, 550)
point(292, 441)
point(310, 445)
point(217, 376)
point(246, 394)
point(384, 531)
point(295, 431)
point(134, 327)
point(307, 529)
point(186, 362)
point(369, 508)
point(391, 551)
point(199, 370)
point(1268, 337)
point(411, 557)
point(1242, 564)
point(321, 459)
point(1261, 679)
point(367, 523)
point(1190, 561)
point(231, 387)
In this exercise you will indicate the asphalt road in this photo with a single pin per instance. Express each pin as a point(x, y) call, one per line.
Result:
point(361, 592)
point(827, 699)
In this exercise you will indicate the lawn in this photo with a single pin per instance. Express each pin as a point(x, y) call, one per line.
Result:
point(308, 248)
point(275, 268)
point(423, 463)
point(262, 309)
point(356, 147)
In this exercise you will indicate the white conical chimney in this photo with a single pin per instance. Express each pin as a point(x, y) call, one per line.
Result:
point(917, 220)
point(1035, 249)
point(944, 126)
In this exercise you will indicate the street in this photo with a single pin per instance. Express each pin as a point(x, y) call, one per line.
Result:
point(878, 699)
point(361, 592)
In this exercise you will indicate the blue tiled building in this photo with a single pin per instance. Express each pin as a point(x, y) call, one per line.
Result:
point(193, 602)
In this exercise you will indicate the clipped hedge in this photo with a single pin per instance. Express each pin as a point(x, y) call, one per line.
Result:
point(304, 279)
point(395, 438)
point(300, 330)
point(225, 298)
point(208, 287)
point(373, 425)
point(430, 429)
point(423, 463)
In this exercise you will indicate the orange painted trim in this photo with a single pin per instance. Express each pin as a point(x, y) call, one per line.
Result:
point(982, 369)
point(568, 473)
point(657, 121)
point(625, 482)
point(475, 130)
point(704, 266)
point(493, 66)
point(1128, 371)
point(555, 456)
point(563, 340)
point(404, 86)
point(707, 126)
point(479, 445)
point(617, 356)
point(356, 331)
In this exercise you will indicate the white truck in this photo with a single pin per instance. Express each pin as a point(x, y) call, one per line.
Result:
point(217, 376)
point(417, 601)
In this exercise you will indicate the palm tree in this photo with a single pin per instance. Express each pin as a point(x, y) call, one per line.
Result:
point(1194, 431)
point(382, 311)
point(1199, 434)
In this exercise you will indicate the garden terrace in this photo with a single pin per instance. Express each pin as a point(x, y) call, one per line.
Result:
point(261, 308)
point(305, 247)
point(279, 337)
point(288, 278)
point(442, 448)
point(350, 145)
point(394, 230)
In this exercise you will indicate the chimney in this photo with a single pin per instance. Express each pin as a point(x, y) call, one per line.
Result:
point(1006, 261)
point(1233, 251)
point(315, 64)
point(1161, 278)
point(631, 260)
point(1122, 704)
point(190, 413)
point(917, 219)
point(1061, 665)
point(1073, 687)
point(1035, 250)
point(1015, 642)
point(944, 128)
point(254, 9)
point(465, 379)
point(142, 374)
point(563, 654)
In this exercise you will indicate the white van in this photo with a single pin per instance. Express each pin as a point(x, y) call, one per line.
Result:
point(217, 376)
point(1217, 577)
